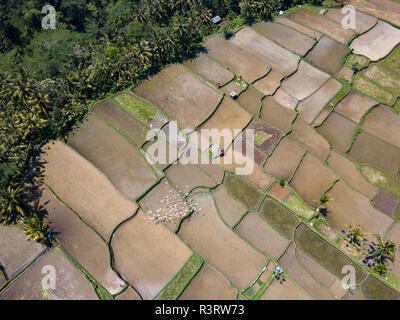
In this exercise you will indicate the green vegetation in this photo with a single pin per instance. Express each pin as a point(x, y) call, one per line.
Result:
point(242, 191)
point(357, 62)
point(278, 218)
point(325, 253)
point(260, 137)
point(381, 179)
point(392, 62)
point(372, 90)
point(135, 107)
point(299, 207)
point(182, 279)
point(396, 107)
point(374, 289)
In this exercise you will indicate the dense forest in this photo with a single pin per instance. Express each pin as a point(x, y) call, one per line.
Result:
point(48, 78)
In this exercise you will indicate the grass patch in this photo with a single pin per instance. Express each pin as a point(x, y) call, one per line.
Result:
point(278, 217)
point(173, 290)
point(260, 137)
point(392, 62)
point(102, 294)
point(381, 179)
point(383, 77)
point(135, 107)
point(357, 61)
point(396, 107)
point(330, 257)
point(373, 91)
point(299, 207)
point(242, 191)
point(374, 289)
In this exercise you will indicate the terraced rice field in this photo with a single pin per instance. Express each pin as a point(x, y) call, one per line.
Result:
point(129, 229)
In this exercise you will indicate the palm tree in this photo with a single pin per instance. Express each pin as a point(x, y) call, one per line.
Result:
point(356, 235)
point(384, 250)
point(38, 230)
point(12, 204)
point(380, 268)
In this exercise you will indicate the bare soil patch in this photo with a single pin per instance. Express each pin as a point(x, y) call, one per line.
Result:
point(311, 179)
point(349, 172)
point(128, 294)
point(278, 58)
point(364, 21)
point(114, 156)
point(210, 69)
point(349, 205)
point(147, 254)
point(299, 27)
point(82, 243)
point(85, 189)
point(305, 81)
point(273, 113)
point(339, 131)
point(237, 60)
point(71, 284)
point(313, 105)
point(251, 100)
point(261, 235)
point(285, 291)
point(354, 106)
point(285, 100)
point(270, 83)
point(219, 245)
point(383, 9)
point(180, 95)
point(284, 160)
point(384, 124)
point(364, 151)
point(208, 284)
point(394, 235)
point(230, 209)
point(386, 203)
point(322, 24)
point(286, 37)
point(378, 42)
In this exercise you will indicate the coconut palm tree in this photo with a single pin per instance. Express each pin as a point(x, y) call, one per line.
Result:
point(356, 235)
point(38, 230)
point(380, 268)
point(12, 204)
point(384, 250)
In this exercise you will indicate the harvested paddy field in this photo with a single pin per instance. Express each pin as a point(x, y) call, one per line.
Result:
point(322, 24)
point(163, 204)
point(208, 284)
point(131, 128)
point(270, 83)
point(284, 159)
point(180, 94)
point(311, 107)
point(243, 191)
point(378, 42)
point(277, 115)
point(128, 294)
point(325, 253)
point(384, 9)
point(373, 289)
point(114, 156)
point(285, 100)
point(387, 79)
point(386, 203)
point(71, 284)
point(186, 177)
point(280, 59)
point(296, 272)
point(311, 179)
point(82, 243)
point(278, 217)
point(251, 100)
point(286, 291)
point(213, 240)
point(235, 59)
point(310, 139)
point(85, 189)
point(16, 252)
point(372, 90)
point(210, 69)
point(382, 180)
point(349, 205)
point(261, 235)
point(354, 106)
point(349, 172)
point(231, 210)
point(383, 123)
point(286, 37)
point(328, 54)
point(364, 151)
point(394, 235)
point(339, 131)
point(305, 81)
point(364, 21)
point(299, 27)
point(147, 270)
